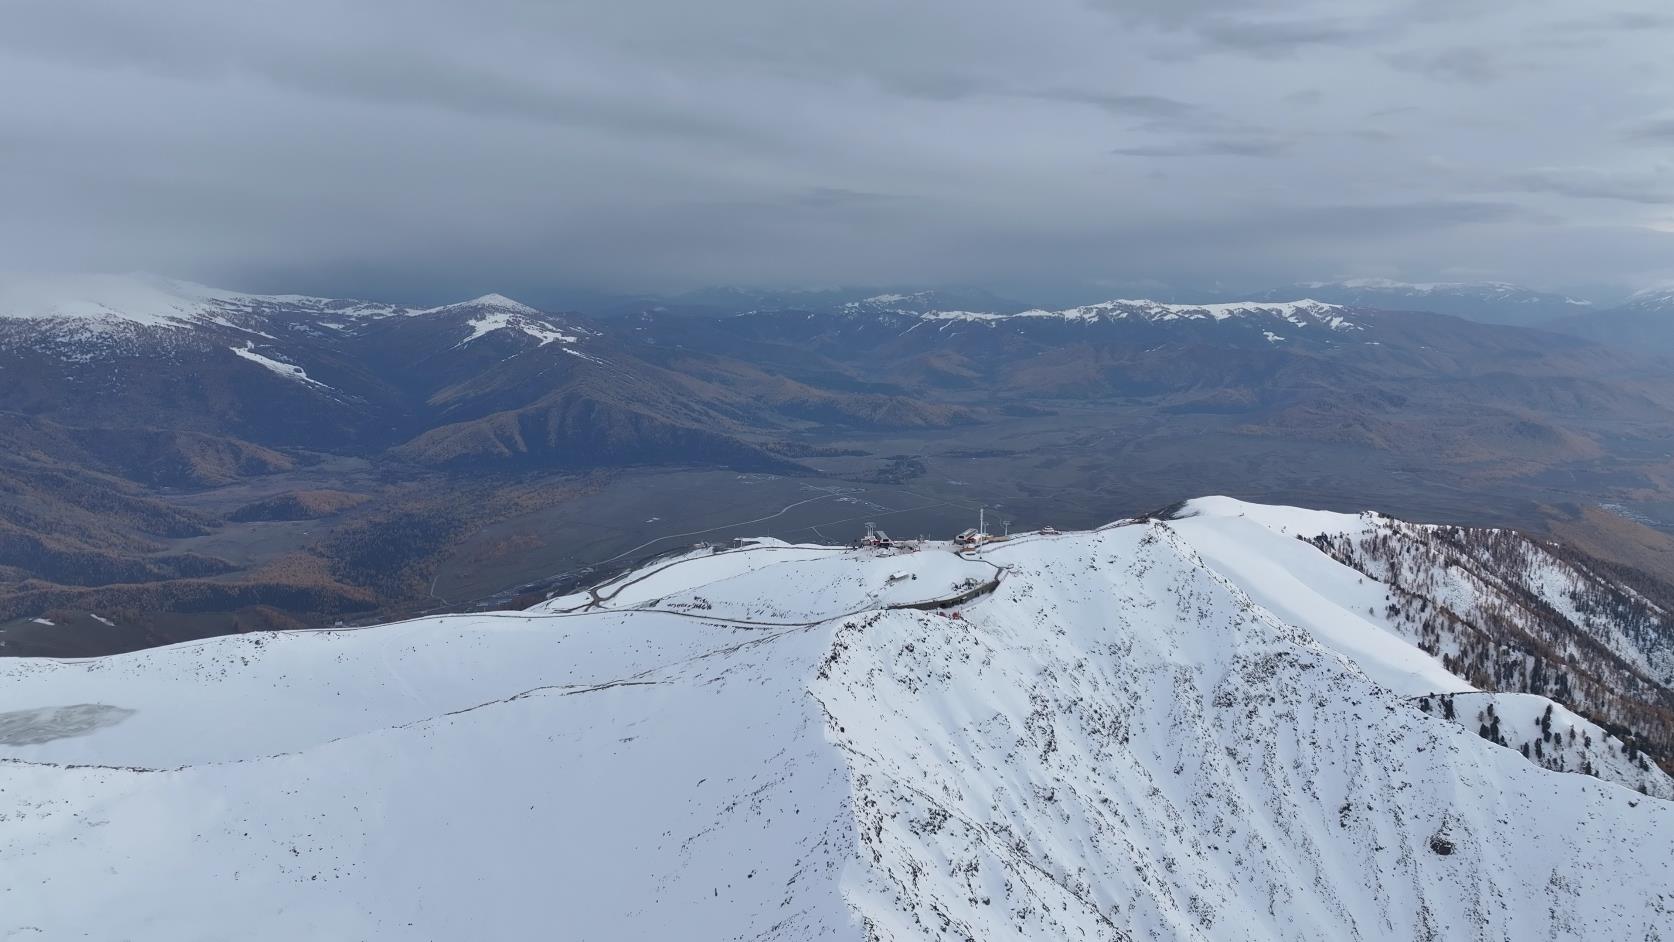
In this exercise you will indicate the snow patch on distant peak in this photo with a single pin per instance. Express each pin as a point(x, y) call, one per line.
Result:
point(288, 370)
point(1301, 313)
point(496, 302)
point(495, 320)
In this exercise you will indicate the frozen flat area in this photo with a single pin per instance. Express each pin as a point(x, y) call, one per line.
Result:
point(1179, 730)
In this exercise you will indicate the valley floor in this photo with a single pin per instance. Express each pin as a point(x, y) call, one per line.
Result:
point(386, 543)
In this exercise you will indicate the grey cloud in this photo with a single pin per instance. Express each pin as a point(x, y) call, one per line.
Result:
point(1285, 37)
point(434, 79)
point(1271, 28)
point(1660, 131)
point(1637, 20)
point(1655, 189)
point(1615, 20)
point(1412, 217)
point(1207, 147)
point(422, 147)
point(1157, 107)
point(1457, 64)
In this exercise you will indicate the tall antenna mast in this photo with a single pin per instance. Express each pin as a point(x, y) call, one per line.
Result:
point(982, 526)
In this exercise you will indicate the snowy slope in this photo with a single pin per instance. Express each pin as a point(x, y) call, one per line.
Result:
point(1369, 620)
point(495, 312)
point(1159, 730)
point(287, 370)
point(1294, 581)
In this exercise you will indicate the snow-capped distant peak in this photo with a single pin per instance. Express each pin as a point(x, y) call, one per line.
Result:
point(140, 299)
point(1301, 313)
point(495, 312)
point(511, 319)
point(497, 302)
point(288, 370)
point(95, 305)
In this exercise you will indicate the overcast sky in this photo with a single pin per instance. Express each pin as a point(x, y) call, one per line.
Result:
point(417, 149)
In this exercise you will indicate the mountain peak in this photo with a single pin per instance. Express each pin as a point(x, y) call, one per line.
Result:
point(496, 299)
point(492, 301)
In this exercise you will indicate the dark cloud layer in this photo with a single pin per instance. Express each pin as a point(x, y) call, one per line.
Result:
point(428, 149)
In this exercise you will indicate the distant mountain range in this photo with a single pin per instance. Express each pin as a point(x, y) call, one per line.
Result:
point(123, 395)
point(1633, 323)
point(1644, 324)
point(1487, 302)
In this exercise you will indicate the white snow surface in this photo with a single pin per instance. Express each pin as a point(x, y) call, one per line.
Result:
point(287, 370)
point(1577, 742)
point(1303, 586)
point(492, 320)
point(1178, 730)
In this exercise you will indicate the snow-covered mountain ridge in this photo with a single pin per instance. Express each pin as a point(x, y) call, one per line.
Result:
point(152, 301)
point(1203, 727)
point(1493, 302)
point(1301, 313)
point(106, 311)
